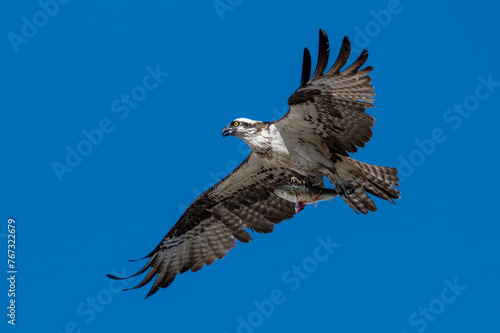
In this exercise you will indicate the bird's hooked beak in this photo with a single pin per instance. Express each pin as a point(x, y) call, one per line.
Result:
point(228, 130)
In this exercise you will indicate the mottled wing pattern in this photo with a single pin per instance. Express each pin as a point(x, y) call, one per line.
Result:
point(209, 228)
point(331, 105)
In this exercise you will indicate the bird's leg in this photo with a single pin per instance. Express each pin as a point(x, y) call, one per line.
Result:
point(350, 188)
point(316, 180)
point(307, 183)
point(296, 181)
point(343, 187)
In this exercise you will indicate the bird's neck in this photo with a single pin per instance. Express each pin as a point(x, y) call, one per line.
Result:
point(259, 140)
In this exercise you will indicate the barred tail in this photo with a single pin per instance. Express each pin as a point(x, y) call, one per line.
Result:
point(363, 177)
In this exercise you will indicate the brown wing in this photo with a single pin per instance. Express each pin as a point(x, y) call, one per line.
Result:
point(332, 106)
point(209, 228)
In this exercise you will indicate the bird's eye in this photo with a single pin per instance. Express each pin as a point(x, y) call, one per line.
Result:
point(235, 124)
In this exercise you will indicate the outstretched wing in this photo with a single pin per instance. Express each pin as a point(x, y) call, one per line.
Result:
point(331, 106)
point(209, 228)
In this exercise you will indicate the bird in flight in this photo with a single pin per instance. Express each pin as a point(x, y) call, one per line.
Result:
point(325, 122)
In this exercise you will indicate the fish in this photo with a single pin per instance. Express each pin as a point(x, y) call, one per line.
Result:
point(304, 195)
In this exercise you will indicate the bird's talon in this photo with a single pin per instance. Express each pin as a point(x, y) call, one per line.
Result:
point(307, 183)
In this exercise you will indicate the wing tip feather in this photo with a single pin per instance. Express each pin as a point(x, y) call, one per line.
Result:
point(343, 56)
point(306, 67)
point(323, 55)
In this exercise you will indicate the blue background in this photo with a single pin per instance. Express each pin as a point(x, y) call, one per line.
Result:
point(244, 60)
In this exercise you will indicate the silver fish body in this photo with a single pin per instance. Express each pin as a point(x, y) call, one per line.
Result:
point(304, 195)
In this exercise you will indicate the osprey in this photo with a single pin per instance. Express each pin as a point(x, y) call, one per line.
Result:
point(325, 122)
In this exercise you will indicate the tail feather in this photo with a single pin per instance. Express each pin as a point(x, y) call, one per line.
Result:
point(376, 180)
point(381, 180)
point(359, 201)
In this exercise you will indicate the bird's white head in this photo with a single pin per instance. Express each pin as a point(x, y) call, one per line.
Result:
point(246, 129)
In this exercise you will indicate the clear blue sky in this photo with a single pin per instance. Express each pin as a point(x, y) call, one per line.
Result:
point(427, 264)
